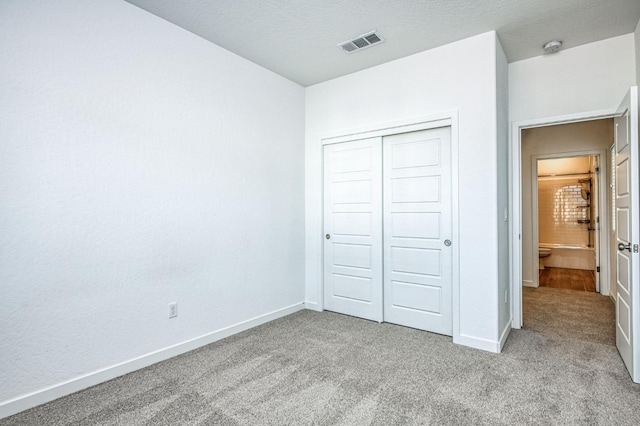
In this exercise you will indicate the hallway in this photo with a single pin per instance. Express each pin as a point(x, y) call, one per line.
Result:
point(558, 313)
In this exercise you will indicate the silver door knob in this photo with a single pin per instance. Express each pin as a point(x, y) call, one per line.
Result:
point(622, 247)
point(328, 236)
point(447, 243)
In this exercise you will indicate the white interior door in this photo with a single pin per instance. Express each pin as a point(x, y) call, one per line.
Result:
point(627, 223)
point(353, 228)
point(417, 229)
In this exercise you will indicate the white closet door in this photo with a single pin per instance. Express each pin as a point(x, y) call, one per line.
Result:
point(417, 229)
point(353, 228)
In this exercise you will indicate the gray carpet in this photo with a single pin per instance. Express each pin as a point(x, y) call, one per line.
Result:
point(326, 369)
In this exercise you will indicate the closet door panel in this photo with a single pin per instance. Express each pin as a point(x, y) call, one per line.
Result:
point(353, 228)
point(417, 226)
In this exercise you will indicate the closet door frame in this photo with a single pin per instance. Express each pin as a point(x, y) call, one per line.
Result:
point(444, 119)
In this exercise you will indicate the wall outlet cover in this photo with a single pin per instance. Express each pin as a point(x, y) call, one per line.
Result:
point(173, 310)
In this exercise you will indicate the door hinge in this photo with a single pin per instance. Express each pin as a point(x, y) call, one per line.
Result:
point(597, 170)
point(597, 269)
point(597, 219)
point(635, 248)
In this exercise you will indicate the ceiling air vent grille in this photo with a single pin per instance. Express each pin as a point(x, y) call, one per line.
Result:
point(361, 42)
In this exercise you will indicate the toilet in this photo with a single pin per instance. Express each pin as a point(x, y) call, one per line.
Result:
point(542, 253)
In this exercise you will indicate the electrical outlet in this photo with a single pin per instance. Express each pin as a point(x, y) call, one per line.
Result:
point(173, 310)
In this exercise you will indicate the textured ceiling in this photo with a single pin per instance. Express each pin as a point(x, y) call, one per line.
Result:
point(297, 38)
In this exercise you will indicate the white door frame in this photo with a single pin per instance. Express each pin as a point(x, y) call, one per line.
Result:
point(515, 205)
point(444, 119)
point(601, 212)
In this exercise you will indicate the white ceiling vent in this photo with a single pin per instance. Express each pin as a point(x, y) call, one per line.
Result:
point(361, 42)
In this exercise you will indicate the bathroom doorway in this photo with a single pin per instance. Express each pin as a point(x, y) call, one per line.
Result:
point(566, 214)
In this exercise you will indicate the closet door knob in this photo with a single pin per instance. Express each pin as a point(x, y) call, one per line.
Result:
point(328, 236)
point(447, 243)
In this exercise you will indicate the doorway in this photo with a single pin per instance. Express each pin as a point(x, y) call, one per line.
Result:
point(564, 137)
point(566, 221)
point(622, 229)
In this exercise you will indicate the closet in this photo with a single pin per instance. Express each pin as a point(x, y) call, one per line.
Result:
point(387, 225)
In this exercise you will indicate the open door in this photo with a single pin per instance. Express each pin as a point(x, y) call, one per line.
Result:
point(627, 233)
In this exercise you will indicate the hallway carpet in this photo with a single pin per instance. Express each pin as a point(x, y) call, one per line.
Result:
point(326, 369)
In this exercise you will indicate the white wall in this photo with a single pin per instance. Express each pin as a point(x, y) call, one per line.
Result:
point(459, 76)
point(139, 165)
point(637, 52)
point(560, 139)
point(591, 77)
point(502, 87)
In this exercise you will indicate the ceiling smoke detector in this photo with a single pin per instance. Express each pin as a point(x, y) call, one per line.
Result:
point(552, 46)
point(361, 42)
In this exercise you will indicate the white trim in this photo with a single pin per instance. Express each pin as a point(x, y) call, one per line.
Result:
point(503, 336)
point(455, 224)
point(320, 241)
point(515, 208)
point(313, 306)
point(478, 343)
point(443, 119)
point(385, 129)
point(535, 258)
point(528, 283)
point(33, 399)
point(564, 119)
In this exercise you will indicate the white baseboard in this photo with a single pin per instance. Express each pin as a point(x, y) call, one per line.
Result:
point(477, 343)
point(504, 335)
point(313, 306)
point(528, 283)
point(24, 402)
